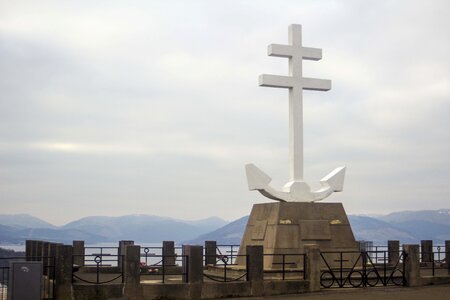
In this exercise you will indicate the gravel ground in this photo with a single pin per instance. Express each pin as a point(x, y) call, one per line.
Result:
point(436, 292)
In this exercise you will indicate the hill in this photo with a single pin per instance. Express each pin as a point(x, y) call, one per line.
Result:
point(378, 231)
point(98, 229)
point(144, 228)
point(407, 227)
point(230, 234)
point(24, 221)
point(440, 216)
point(18, 235)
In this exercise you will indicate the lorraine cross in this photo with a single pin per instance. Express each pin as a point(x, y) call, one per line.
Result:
point(296, 189)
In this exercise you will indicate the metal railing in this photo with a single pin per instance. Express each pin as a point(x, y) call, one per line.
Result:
point(163, 268)
point(223, 270)
point(289, 266)
point(149, 254)
point(439, 253)
point(376, 251)
point(229, 251)
point(93, 251)
point(435, 263)
point(100, 269)
point(355, 269)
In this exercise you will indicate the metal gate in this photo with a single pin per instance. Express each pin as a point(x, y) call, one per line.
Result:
point(362, 269)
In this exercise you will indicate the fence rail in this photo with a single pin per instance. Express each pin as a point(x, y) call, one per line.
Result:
point(223, 270)
point(101, 271)
point(172, 268)
point(355, 269)
point(437, 263)
point(289, 266)
point(228, 252)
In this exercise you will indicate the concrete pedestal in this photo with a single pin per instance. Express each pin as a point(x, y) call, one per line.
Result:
point(168, 252)
point(426, 251)
point(412, 265)
point(285, 228)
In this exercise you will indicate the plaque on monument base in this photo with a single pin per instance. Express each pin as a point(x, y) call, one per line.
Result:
point(286, 227)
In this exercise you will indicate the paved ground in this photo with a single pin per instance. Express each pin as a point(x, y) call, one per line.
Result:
point(386, 293)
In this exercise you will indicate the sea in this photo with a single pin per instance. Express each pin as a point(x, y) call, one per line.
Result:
point(21, 247)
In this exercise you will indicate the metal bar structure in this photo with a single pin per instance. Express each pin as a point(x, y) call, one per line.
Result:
point(438, 266)
point(92, 251)
point(221, 271)
point(230, 250)
point(291, 267)
point(151, 252)
point(154, 266)
point(365, 268)
point(102, 276)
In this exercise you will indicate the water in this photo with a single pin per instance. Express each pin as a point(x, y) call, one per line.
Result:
point(21, 247)
point(109, 252)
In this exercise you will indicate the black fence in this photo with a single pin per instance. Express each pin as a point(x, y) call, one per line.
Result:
point(435, 263)
point(159, 268)
point(228, 252)
point(91, 252)
point(225, 268)
point(99, 269)
point(164, 270)
point(439, 253)
point(151, 256)
point(286, 266)
point(360, 269)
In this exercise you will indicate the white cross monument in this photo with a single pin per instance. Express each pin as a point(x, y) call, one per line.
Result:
point(296, 189)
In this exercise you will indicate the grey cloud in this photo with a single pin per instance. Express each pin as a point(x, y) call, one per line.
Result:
point(146, 107)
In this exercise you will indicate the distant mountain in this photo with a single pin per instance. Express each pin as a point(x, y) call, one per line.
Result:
point(440, 216)
point(213, 222)
point(18, 235)
point(425, 230)
point(230, 234)
point(370, 229)
point(9, 235)
point(97, 229)
point(407, 227)
point(24, 221)
point(145, 228)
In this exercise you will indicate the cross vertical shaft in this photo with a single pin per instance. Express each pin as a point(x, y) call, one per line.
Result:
point(296, 83)
point(296, 190)
point(295, 108)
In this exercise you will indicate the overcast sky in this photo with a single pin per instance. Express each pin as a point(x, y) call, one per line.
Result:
point(153, 107)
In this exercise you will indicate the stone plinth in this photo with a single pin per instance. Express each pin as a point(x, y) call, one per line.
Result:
point(168, 252)
point(426, 250)
point(210, 253)
point(393, 252)
point(412, 265)
point(313, 262)
point(193, 267)
point(131, 274)
point(286, 227)
point(78, 253)
point(63, 272)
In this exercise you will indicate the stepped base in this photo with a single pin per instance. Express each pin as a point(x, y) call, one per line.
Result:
point(286, 227)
